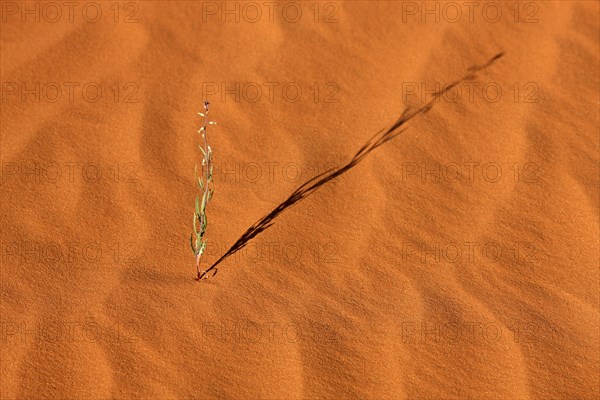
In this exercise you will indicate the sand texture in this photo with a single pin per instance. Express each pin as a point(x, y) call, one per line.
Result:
point(456, 260)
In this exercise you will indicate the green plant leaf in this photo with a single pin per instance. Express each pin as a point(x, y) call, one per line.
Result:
point(203, 207)
point(202, 221)
point(192, 242)
point(202, 248)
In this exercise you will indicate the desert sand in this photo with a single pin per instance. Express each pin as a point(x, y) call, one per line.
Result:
point(458, 260)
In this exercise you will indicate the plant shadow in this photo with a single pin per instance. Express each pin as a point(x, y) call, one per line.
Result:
point(310, 186)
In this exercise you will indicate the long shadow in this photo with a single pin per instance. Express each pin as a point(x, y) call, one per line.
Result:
point(308, 187)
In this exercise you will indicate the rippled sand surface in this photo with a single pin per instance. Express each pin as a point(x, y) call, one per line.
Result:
point(457, 261)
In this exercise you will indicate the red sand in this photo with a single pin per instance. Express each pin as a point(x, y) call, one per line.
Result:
point(459, 260)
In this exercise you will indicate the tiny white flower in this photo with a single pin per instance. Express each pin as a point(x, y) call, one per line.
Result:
point(201, 114)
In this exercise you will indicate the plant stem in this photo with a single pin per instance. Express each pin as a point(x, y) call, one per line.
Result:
point(206, 170)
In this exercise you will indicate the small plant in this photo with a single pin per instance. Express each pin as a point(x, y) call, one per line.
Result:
point(206, 184)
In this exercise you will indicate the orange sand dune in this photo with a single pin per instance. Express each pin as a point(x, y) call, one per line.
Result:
point(457, 261)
